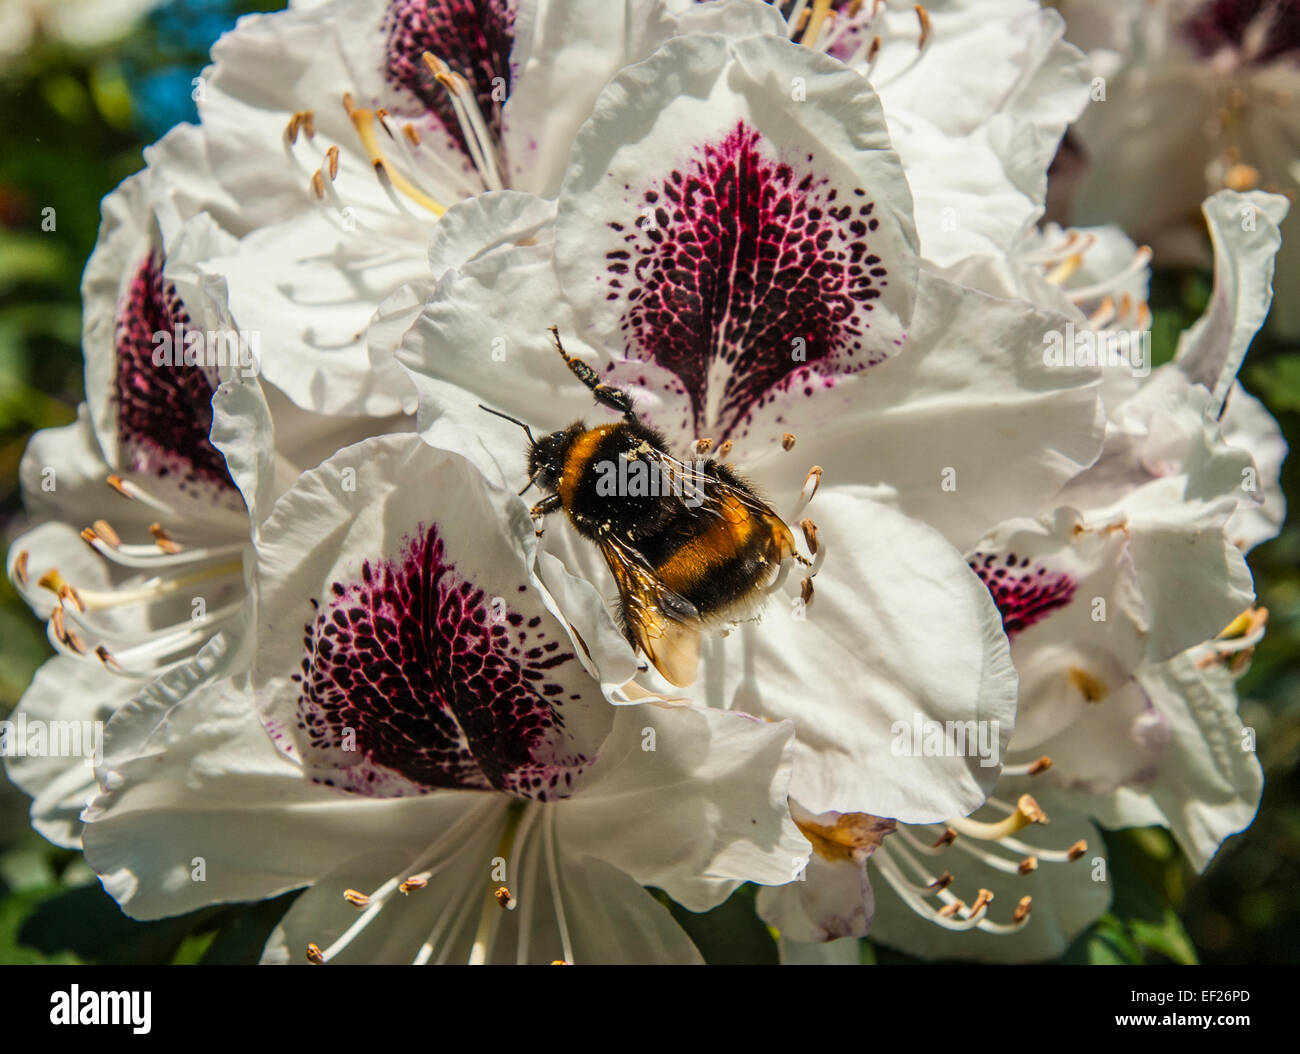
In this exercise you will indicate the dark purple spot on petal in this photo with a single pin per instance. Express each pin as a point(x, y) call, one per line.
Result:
point(753, 286)
point(164, 412)
point(473, 37)
point(1023, 594)
point(429, 688)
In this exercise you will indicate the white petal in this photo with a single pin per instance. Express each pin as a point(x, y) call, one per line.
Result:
point(689, 800)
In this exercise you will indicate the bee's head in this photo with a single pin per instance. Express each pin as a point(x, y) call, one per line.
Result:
point(547, 455)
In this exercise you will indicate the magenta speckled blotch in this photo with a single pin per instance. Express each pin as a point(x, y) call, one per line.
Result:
point(414, 679)
point(747, 277)
point(164, 413)
point(1024, 592)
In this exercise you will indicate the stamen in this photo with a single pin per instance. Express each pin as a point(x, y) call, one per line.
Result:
point(820, 10)
point(475, 129)
point(20, 567)
point(356, 898)
point(703, 446)
point(724, 451)
point(787, 442)
point(164, 540)
point(1059, 274)
point(364, 123)
point(1033, 768)
point(1140, 260)
point(314, 955)
point(1027, 812)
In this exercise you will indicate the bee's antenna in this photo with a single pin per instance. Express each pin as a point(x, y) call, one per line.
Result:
point(527, 486)
point(513, 420)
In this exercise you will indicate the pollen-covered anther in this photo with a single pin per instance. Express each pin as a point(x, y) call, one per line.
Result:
point(163, 540)
point(1063, 271)
point(106, 657)
point(314, 955)
point(356, 898)
point(810, 534)
point(301, 121)
point(118, 485)
point(810, 484)
point(1241, 177)
point(947, 838)
point(20, 567)
point(332, 161)
point(703, 446)
point(1041, 765)
point(318, 184)
point(724, 451)
point(1077, 850)
point(413, 883)
point(503, 897)
point(950, 909)
point(104, 530)
point(560, 962)
point(806, 591)
point(982, 900)
point(412, 133)
point(923, 16)
point(68, 594)
point(787, 441)
point(63, 635)
point(1022, 909)
point(941, 883)
point(1028, 865)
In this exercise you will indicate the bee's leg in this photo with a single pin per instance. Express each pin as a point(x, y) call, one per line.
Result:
point(614, 398)
point(550, 503)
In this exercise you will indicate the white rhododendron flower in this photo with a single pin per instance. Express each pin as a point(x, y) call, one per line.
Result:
point(441, 770)
point(706, 265)
point(140, 526)
point(1198, 95)
point(971, 583)
point(1125, 715)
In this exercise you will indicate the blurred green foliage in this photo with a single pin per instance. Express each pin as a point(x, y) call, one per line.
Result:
point(75, 126)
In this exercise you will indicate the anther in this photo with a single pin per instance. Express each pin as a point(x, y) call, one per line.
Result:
point(1022, 909)
point(951, 909)
point(1077, 850)
point(356, 898)
point(413, 883)
point(1041, 765)
point(703, 446)
point(947, 838)
point(814, 478)
point(67, 592)
point(941, 883)
point(1028, 865)
point(503, 897)
point(412, 133)
point(809, 534)
point(318, 185)
point(116, 483)
point(923, 16)
point(106, 657)
point(725, 449)
point(106, 532)
point(163, 540)
point(806, 591)
point(332, 157)
point(20, 567)
point(314, 955)
point(787, 441)
point(982, 901)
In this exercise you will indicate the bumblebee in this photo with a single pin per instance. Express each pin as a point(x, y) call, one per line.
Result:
point(688, 545)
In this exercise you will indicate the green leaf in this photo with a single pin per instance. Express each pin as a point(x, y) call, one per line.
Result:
point(731, 934)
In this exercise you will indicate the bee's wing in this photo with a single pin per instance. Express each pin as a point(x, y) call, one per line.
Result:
point(709, 495)
point(664, 624)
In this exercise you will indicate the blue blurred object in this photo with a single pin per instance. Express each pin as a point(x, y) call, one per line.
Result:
point(176, 38)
